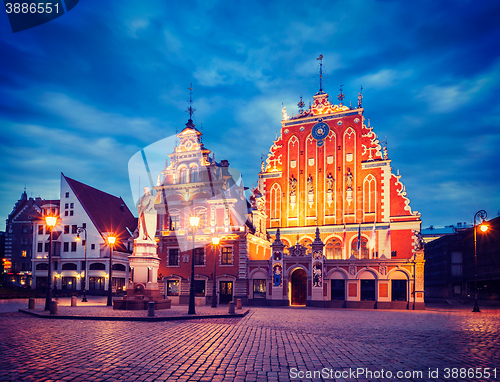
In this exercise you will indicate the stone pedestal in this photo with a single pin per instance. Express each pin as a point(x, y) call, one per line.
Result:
point(143, 287)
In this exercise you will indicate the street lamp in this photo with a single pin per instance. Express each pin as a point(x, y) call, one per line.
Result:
point(111, 242)
point(51, 223)
point(215, 242)
point(483, 227)
point(193, 222)
point(79, 230)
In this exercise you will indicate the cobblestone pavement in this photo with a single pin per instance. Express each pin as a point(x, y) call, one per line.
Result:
point(269, 344)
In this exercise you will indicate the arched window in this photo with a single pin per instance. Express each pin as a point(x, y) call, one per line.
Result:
point(194, 175)
point(119, 267)
point(69, 267)
point(370, 194)
point(183, 175)
point(275, 204)
point(334, 249)
point(363, 250)
point(97, 267)
point(42, 267)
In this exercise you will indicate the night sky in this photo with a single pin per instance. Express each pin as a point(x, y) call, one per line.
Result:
point(83, 93)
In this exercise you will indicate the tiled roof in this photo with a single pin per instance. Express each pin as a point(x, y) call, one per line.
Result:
point(108, 213)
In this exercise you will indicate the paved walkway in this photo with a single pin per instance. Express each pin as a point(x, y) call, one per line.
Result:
point(269, 344)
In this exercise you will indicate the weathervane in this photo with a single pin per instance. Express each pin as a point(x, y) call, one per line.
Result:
point(320, 58)
point(360, 97)
point(301, 105)
point(190, 109)
point(341, 96)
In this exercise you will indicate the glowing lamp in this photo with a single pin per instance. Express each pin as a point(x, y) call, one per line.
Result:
point(77, 237)
point(51, 220)
point(194, 221)
point(111, 240)
point(215, 240)
point(483, 227)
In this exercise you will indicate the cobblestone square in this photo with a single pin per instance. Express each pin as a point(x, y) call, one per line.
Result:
point(269, 344)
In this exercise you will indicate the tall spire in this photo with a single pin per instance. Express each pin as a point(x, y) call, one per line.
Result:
point(320, 58)
point(190, 109)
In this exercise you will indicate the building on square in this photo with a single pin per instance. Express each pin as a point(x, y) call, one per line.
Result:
point(83, 213)
point(194, 184)
point(343, 232)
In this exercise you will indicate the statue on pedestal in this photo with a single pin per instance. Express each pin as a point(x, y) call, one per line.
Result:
point(147, 216)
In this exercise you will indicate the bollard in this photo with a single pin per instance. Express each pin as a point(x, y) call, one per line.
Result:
point(231, 307)
point(73, 300)
point(238, 303)
point(53, 307)
point(31, 303)
point(151, 309)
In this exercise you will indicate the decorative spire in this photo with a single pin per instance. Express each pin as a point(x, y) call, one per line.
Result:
point(301, 105)
point(190, 109)
point(320, 58)
point(317, 239)
point(341, 96)
point(360, 97)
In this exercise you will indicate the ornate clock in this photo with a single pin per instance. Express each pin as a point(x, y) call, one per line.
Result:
point(319, 132)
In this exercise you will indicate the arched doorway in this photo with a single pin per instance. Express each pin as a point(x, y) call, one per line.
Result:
point(299, 287)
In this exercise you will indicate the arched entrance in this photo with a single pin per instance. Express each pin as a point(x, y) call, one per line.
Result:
point(299, 287)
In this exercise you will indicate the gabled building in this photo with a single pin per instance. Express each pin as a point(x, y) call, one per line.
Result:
point(194, 184)
point(19, 245)
point(87, 216)
point(343, 229)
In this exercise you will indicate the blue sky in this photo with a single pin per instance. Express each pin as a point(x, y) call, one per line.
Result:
point(83, 93)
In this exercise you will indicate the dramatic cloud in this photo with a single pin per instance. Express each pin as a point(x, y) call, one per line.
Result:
point(85, 92)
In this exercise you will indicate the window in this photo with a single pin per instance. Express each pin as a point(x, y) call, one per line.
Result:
point(394, 253)
point(66, 247)
point(182, 175)
point(66, 229)
point(69, 267)
point(23, 254)
point(47, 246)
point(42, 267)
point(84, 225)
point(73, 246)
point(25, 229)
point(259, 288)
point(363, 250)
point(72, 205)
point(174, 222)
point(367, 290)
point(96, 283)
point(24, 241)
point(227, 256)
point(333, 249)
point(398, 290)
point(40, 229)
point(67, 194)
point(194, 175)
point(66, 206)
point(69, 283)
point(70, 212)
point(202, 215)
point(92, 246)
point(65, 213)
point(173, 287)
point(456, 264)
point(119, 267)
point(97, 267)
point(173, 256)
point(40, 247)
point(199, 256)
point(74, 228)
point(199, 288)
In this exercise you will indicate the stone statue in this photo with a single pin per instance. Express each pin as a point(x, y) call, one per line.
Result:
point(310, 187)
point(349, 178)
point(293, 185)
point(329, 182)
point(147, 216)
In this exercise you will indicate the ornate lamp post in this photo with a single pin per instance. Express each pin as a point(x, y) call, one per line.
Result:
point(215, 242)
point(193, 222)
point(483, 227)
point(78, 232)
point(51, 223)
point(111, 242)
